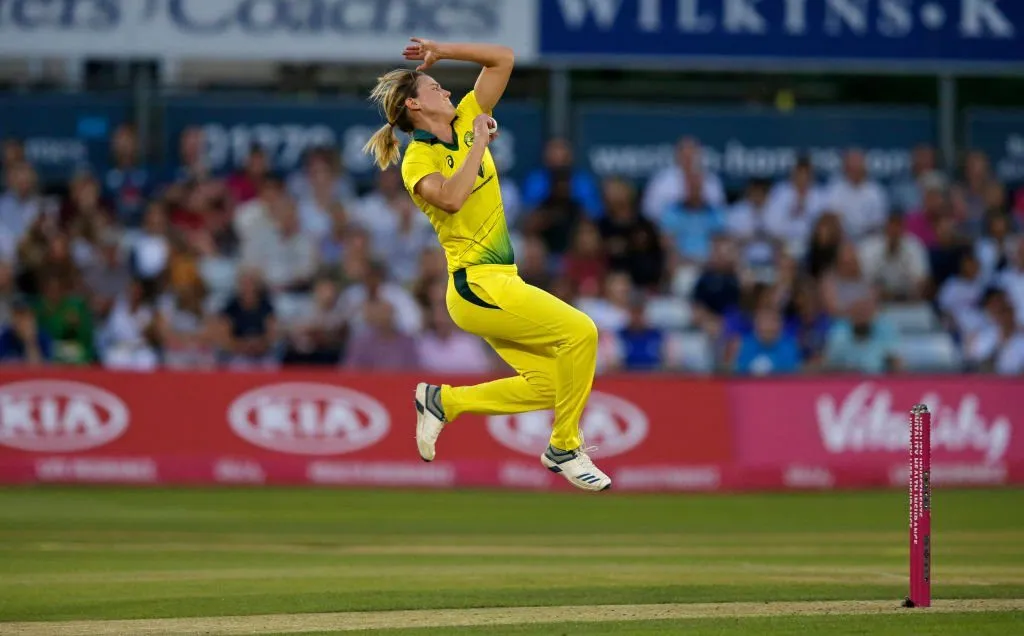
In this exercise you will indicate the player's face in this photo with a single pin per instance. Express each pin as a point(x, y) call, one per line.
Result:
point(432, 99)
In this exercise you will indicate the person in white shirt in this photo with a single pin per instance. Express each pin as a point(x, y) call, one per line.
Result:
point(286, 257)
point(446, 349)
point(1011, 281)
point(19, 204)
point(861, 203)
point(998, 345)
point(257, 215)
point(399, 232)
point(127, 339)
point(896, 262)
point(995, 250)
point(667, 187)
point(793, 207)
point(300, 183)
point(959, 297)
point(747, 222)
point(376, 286)
point(611, 312)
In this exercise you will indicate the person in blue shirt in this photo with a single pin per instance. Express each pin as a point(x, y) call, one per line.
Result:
point(22, 341)
point(128, 184)
point(584, 188)
point(643, 346)
point(865, 343)
point(769, 350)
point(692, 224)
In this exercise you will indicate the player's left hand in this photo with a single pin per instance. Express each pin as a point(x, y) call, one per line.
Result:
point(426, 50)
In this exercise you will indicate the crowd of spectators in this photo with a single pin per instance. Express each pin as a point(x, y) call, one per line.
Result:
point(134, 268)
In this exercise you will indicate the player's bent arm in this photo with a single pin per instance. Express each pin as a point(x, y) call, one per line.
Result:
point(497, 61)
point(450, 194)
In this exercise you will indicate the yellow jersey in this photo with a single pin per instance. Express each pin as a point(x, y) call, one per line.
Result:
point(477, 234)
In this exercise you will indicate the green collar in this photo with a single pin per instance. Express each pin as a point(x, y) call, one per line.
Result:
point(426, 137)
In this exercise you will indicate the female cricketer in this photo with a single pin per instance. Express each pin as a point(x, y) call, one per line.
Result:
point(450, 175)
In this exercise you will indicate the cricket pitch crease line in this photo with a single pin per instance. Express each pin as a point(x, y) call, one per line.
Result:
point(444, 618)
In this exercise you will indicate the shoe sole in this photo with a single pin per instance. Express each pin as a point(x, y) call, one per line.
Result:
point(420, 414)
point(553, 467)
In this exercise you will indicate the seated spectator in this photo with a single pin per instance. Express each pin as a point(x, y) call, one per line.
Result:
point(558, 160)
point(409, 234)
point(381, 346)
point(610, 312)
point(806, 319)
point(244, 185)
point(960, 296)
point(1011, 281)
point(976, 181)
point(923, 221)
point(769, 349)
point(185, 333)
point(317, 162)
point(826, 237)
point(747, 224)
point(995, 250)
point(945, 256)
point(907, 193)
point(66, 318)
point(534, 264)
point(860, 202)
point(256, 217)
point(332, 246)
point(863, 342)
point(12, 151)
point(151, 248)
point(672, 185)
point(314, 204)
point(793, 207)
point(555, 219)
point(585, 264)
point(317, 336)
point(198, 203)
point(129, 338)
point(8, 291)
point(717, 290)
point(128, 183)
point(446, 349)
point(247, 328)
point(738, 322)
point(356, 257)
point(642, 346)
point(286, 258)
point(689, 227)
point(22, 342)
point(377, 286)
point(846, 284)
point(20, 205)
point(108, 276)
point(631, 241)
point(999, 345)
point(84, 217)
point(432, 269)
point(895, 262)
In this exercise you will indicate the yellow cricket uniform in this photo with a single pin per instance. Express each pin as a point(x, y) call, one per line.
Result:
point(551, 345)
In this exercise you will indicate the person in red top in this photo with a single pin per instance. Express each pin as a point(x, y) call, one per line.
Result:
point(244, 185)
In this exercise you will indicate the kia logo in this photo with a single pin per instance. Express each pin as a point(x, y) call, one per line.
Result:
point(56, 416)
point(610, 423)
point(308, 419)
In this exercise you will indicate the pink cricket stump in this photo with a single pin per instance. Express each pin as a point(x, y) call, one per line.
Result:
point(920, 508)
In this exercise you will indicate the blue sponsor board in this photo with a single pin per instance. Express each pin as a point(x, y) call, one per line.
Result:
point(1000, 133)
point(911, 33)
point(286, 128)
point(63, 133)
point(740, 143)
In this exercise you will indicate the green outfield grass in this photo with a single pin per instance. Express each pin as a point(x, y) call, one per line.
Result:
point(74, 554)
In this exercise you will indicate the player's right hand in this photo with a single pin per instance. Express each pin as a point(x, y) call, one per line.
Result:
point(482, 126)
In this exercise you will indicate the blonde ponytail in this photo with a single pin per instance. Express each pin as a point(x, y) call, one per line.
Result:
point(389, 94)
point(384, 147)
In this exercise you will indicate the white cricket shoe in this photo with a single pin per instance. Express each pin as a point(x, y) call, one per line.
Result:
point(429, 419)
point(577, 467)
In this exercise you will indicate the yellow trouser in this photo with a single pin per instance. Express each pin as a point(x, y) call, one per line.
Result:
point(551, 345)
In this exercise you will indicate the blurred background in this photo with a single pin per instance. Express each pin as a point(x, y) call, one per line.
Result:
point(724, 187)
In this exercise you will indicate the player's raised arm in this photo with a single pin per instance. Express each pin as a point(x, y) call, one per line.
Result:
point(497, 61)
